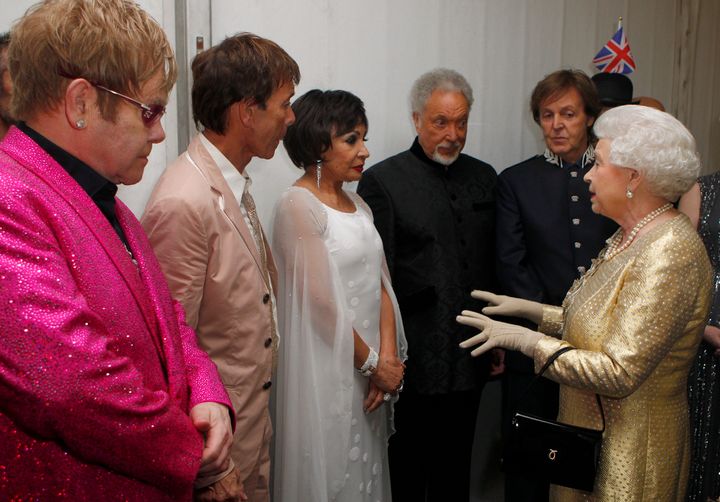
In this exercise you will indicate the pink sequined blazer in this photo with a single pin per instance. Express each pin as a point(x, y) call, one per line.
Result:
point(98, 370)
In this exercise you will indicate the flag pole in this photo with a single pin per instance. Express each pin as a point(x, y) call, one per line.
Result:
point(619, 22)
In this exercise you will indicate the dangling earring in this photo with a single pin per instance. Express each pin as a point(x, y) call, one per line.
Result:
point(80, 123)
point(628, 193)
point(318, 167)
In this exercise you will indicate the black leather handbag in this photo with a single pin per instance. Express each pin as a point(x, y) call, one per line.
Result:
point(559, 453)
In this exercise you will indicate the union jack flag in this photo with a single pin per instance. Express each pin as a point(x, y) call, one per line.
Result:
point(615, 55)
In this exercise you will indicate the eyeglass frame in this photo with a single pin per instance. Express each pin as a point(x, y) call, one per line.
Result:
point(150, 113)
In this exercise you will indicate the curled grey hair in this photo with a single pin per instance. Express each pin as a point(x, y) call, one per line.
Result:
point(439, 78)
point(653, 142)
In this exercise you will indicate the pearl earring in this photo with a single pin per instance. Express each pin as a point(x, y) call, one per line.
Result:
point(80, 123)
point(628, 193)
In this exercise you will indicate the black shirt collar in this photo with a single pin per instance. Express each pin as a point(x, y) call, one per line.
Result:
point(90, 181)
point(100, 190)
point(418, 151)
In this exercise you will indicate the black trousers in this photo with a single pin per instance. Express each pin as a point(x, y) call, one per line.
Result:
point(541, 401)
point(431, 449)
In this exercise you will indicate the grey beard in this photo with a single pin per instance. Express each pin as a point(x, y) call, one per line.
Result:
point(444, 160)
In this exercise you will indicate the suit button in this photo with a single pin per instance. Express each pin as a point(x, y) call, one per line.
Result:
point(267, 385)
point(268, 342)
point(266, 298)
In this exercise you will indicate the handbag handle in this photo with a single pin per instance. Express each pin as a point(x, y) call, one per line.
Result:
point(547, 364)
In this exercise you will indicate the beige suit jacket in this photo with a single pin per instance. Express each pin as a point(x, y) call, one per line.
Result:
point(211, 262)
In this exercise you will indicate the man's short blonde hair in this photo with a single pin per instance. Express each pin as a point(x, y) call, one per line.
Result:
point(109, 42)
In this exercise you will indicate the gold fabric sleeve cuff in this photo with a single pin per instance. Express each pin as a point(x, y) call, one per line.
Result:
point(552, 321)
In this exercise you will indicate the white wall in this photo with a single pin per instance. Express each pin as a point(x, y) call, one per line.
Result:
point(378, 47)
point(704, 84)
point(11, 11)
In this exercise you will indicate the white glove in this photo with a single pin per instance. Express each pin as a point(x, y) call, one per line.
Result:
point(498, 334)
point(510, 306)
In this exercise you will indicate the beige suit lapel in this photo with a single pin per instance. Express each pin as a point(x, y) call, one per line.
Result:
point(201, 159)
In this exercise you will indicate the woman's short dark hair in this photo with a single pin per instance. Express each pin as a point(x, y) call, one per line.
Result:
point(244, 66)
point(320, 115)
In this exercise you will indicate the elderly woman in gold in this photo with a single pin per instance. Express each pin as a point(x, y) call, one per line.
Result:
point(635, 317)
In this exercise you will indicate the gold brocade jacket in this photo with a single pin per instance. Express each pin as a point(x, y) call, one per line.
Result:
point(636, 320)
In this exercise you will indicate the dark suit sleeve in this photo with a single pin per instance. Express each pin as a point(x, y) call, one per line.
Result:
point(514, 273)
point(375, 195)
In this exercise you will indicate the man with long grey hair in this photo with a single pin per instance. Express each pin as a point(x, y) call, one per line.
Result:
point(434, 208)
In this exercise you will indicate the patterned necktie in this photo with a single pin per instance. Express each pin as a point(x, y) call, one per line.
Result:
point(249, 203)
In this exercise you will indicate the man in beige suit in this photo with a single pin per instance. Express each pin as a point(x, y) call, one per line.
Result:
point(202, 223)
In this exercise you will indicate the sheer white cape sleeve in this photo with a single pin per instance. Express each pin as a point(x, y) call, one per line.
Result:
point(315, 366)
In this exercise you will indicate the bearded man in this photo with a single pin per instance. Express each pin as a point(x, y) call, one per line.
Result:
point(434, 208)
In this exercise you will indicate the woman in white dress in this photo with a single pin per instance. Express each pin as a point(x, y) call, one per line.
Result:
point(340, 366)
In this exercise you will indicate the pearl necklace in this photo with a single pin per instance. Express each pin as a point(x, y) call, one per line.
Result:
point(614, 248)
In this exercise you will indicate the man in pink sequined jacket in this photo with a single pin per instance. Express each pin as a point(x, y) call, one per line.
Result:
point(104, 394)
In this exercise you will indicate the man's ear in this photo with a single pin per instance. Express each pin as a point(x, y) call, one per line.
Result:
point(80, 97)
point(244, 112)
point(416, 121)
